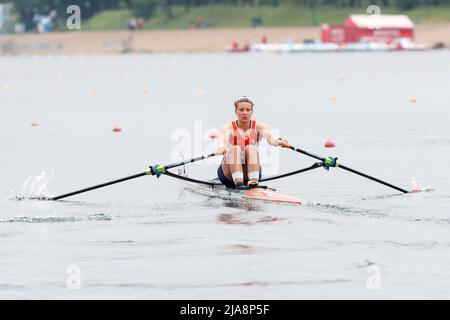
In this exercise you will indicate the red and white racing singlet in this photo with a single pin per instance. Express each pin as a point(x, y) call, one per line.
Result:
point(238, 140)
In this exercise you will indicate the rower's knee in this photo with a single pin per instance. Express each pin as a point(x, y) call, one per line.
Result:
point(234, 155)
point(249, 149)
point(251, 154)
point(236, 149)
point(237, 152)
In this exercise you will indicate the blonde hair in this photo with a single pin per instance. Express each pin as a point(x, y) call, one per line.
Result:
point(242, 99)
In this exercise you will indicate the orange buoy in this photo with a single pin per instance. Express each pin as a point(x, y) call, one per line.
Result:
point(413, 100)
point(329, 144)
point(116, 129)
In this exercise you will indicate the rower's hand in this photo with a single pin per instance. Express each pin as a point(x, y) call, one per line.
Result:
point(283, 143)
point(221, 151)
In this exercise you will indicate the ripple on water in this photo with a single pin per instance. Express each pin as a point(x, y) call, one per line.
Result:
point(39, 219)
point(101, 217)
point(230, 218)
point(347, 211)
point(55, 219)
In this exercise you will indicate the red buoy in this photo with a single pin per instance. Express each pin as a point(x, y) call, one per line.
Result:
point(34, 124)
point(116, 129)
point(329, 144)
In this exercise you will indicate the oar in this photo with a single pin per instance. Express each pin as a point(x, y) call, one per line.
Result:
point(154, 170)
point(331, 162)
point(314, 166)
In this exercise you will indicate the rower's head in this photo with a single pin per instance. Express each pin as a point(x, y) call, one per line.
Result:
point(243, 107)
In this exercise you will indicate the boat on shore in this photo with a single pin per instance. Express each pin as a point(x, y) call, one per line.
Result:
point(318, 46)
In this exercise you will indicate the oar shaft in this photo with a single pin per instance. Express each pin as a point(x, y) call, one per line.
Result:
point(307, 153)
point(349, 169)
point(372, 178)
point(99, 186)
point(314, 166)
point(173, 165)
point(170, 166)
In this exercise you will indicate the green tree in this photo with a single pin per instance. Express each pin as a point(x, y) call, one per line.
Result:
point(407, 4)
point(144, 8)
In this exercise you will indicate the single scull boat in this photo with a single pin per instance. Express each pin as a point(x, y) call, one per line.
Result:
point(256, 194)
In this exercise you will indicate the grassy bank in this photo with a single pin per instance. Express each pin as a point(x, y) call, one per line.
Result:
point(220, 16)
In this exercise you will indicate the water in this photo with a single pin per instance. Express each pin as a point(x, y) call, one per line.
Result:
point(150, 238)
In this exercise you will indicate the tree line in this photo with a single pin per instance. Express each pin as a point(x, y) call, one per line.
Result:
point(26, 9)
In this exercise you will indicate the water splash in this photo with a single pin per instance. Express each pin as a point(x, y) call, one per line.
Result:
point(35, 187)
point(417, 187)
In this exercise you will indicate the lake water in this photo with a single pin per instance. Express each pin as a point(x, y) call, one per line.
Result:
point(150, 238)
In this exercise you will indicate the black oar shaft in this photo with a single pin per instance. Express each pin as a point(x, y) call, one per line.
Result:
point(350, 169)
point(177, 176)
point(99, 186)
point(170, 166)
point(372, 178)
point(314, 166)
point(173, 165)
point(307, 153)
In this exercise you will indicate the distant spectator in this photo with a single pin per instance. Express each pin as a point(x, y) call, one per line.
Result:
point(256, 22)
point(140, 23)
point(53, 15)
point(46, 23)
point(136, 24)
point(199, 22)
point(132, 24)
point(439, 45)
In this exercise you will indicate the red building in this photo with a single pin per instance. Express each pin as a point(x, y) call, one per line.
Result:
point(370, 28)
point(334, 34)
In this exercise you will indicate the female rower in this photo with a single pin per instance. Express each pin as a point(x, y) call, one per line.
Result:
point(240, 167)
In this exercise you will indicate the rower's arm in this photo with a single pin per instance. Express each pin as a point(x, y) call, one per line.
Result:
point(266, 132)
point(224, 137)
point(271, 137)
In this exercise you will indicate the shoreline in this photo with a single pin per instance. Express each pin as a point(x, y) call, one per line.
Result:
point(177, 41)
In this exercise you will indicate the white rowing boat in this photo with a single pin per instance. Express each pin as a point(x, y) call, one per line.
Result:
point(257, 194)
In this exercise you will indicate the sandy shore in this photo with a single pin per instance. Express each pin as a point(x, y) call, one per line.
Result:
point(197, 40)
